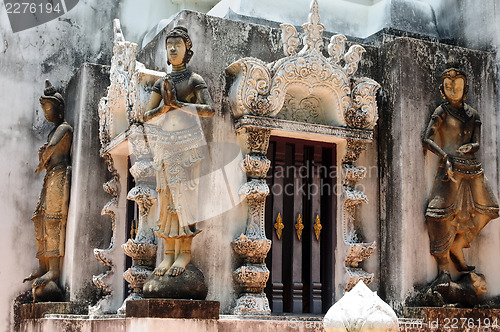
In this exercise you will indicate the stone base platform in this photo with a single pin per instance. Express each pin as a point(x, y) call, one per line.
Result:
point(170, 308)
point(418, 320)
point(225, 323)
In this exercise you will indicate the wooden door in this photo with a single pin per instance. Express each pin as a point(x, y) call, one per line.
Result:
point(301, 216)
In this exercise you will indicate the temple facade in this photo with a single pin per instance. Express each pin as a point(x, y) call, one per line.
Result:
point(297, 134)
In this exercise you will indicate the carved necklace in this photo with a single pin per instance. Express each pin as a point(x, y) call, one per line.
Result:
point(178, 77)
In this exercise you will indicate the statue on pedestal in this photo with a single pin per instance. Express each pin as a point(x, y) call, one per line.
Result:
point(461, 201)
point(176, 103)
point(52, 209)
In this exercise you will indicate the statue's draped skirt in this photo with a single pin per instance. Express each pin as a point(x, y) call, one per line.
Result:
point(454, 205)
point(177, 159)
point(51, 212)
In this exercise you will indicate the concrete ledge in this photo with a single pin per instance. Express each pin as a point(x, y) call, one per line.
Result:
point(39, 310)
point(170, 308)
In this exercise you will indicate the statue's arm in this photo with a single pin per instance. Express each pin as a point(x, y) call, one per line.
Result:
point(63, 131)
point(204, 108)
point(473, 146)
point(476, 137)
point(153, 109)
point(430, 133)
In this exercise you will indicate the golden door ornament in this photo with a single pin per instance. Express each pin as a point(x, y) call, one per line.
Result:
point(278, 225)
point(299, 226)
point(133, 228)
point(317, 227)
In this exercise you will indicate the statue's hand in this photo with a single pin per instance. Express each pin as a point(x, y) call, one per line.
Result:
point(39, 168)
point(170, 97)
point(448, 171)
point(41, 150)
point(464, 149)
point(145, 115)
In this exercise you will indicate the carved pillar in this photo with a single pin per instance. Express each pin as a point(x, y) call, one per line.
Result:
point(104, 281)
point(253, 246)
point(358, 251)
point(142, 249)
point(362, 114)
point(112, 120)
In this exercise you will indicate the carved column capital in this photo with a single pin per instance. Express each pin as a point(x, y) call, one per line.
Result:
point(137, 276)
point(255, 166)
point(252, 304)
point(142, 253)
point(256, 139)
point(143, 170)
point(253, 250)
point(252, 278)
point(144, 196)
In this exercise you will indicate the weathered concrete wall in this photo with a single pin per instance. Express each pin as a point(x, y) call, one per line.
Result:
point(27, 58)
point(410, 78)
point(467, 24)
point(86, 228)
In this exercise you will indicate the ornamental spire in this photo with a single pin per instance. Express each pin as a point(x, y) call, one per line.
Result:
point(313, 30)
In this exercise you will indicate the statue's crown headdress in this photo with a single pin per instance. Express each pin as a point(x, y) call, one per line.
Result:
point(181, 31)
point(453, 73)
point(50, 93)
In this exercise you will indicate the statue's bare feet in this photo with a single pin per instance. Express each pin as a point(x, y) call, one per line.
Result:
point(43, 280)
point(40, 271)
point(442, 281)
point(165, 265)
point(180, 264)
point(174, 271)
point(463, 267)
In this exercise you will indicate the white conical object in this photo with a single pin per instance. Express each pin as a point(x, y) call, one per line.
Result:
point(360, 310)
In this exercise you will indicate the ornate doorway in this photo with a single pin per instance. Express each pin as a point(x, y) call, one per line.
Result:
point(301, 216)
point(304, 95)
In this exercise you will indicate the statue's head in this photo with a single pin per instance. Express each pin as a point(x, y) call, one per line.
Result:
point(454, 86)
point(178, 44)
point(52, 103)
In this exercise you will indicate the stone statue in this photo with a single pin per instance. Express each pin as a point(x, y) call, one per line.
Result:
point(461, 201)
point(52, 208)
point(178, 152)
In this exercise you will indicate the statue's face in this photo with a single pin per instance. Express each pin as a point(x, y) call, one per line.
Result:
point(176, 50)
point(454, 89)
point(50, 111)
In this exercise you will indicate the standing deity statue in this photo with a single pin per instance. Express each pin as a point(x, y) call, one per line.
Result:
point(52, 209)
point(176, 103)
point(461, 201)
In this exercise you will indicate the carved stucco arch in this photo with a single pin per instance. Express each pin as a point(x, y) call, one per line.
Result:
point(263, 89)
point(257, 96)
